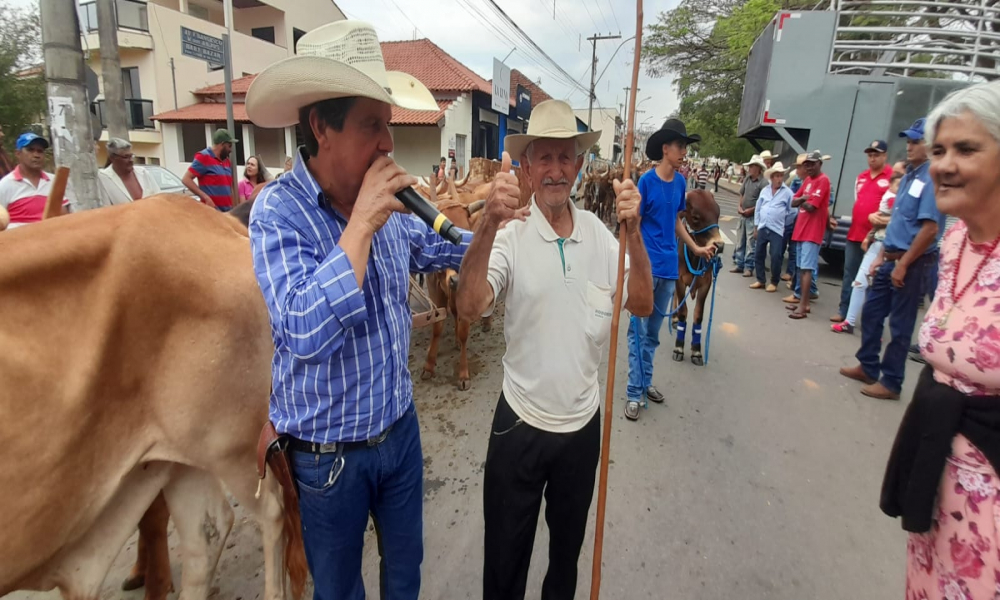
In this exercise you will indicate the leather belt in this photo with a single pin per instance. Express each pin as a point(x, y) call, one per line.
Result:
point(331, 447)
point(893, 256)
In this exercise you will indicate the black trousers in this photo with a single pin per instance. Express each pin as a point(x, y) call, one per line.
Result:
point(522, 464)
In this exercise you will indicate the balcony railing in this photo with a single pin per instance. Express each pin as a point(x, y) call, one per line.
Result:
point(137, 114)
point(132, 14)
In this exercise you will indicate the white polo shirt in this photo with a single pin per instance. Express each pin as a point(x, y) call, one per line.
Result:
point(24, 202)
point(559, 298)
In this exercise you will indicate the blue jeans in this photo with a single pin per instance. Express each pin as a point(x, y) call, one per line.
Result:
point(645, 331)
point(814, 267)
point(853, 255)
point(743, 257)
point(765, 238)
point(790, 268)
point(900, 306)
point(385, 480)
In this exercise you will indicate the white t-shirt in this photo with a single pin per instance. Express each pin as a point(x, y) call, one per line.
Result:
point(559, 298)
point(113, 189)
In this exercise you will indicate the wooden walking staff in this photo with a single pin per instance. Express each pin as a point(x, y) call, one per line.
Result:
point(602, 489)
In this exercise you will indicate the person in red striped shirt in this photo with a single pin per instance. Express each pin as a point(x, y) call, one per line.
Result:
point(24, 191)
point(212, 169)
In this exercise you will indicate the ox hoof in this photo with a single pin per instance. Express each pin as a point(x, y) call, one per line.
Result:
point(678, 355)
point(464, 384)
point(698, 360)
point(133, 582)
point(427, 374)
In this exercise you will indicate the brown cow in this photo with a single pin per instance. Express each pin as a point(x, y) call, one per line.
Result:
point(137, 361)
point(441, 288)
point(701, 214)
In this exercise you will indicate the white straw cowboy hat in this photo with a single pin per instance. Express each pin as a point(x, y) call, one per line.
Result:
point(552, 119)
point(766, 154)
point(756, 160)
point(777, 168)
point(339, 60)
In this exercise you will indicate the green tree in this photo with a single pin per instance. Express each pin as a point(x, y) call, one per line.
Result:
point(704, 44)
point(22, 98)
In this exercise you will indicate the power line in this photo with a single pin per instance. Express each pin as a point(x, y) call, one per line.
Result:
point(615, 15)
point(601, 10)
point(510, 23)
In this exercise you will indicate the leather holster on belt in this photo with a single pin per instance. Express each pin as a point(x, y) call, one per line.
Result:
point(271, 450)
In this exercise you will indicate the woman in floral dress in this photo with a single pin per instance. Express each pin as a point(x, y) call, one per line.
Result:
point(955, 553)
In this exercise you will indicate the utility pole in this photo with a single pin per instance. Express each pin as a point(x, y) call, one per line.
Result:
point(228, 75)
point(627, 89)
point(69, 110)
point(113, 111)
point(593, 72)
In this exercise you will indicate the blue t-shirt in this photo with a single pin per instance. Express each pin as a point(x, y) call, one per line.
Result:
point(661, 201)
point(914, 203)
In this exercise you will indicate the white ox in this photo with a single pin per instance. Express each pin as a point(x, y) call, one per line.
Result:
point(134, 359)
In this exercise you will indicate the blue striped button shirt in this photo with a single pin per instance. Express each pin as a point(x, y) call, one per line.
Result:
point(339, 372)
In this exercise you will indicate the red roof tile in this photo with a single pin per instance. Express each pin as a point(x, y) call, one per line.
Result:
point(240, 86)
point(434, 67)
point(403, 116)
point(207, 112)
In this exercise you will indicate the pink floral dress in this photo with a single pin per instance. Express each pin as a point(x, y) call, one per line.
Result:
point(959, 559)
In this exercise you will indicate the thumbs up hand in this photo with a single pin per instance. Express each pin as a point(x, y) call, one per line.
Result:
point(505, 196)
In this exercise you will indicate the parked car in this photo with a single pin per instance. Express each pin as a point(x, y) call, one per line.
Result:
point(168, 182)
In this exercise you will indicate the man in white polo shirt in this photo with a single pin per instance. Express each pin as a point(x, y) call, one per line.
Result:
point(556, 272)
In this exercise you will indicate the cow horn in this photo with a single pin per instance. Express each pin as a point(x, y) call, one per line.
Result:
point(464, 180)
point(476, 206)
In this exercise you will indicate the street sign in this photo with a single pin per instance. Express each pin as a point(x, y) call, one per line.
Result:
point(203, 47)
point(501, 88)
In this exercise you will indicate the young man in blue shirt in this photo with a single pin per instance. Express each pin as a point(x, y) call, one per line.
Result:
point(662, 190)
point(899, 274)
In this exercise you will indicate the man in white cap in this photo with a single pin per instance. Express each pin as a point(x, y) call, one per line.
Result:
point(332, 253)
point(556, 273)
point(743, 257)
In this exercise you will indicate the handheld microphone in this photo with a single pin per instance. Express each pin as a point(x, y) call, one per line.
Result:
point(428, 213)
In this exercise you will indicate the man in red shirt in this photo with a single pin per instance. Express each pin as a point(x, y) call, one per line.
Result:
point(214, 172)
point(813, 202)
point(869, 188)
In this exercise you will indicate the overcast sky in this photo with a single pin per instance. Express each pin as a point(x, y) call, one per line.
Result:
point(458, 29)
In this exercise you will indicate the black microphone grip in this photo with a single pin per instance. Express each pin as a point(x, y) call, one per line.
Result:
point(428, 213)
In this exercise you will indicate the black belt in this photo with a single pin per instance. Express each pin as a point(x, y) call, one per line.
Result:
point(331, 447)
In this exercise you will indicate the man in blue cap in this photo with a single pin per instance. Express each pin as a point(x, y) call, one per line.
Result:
point(24, 190)
point(898, 275)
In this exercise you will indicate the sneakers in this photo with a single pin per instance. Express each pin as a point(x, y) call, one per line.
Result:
point(771, 288)
point(756, 285)
point(632, 410)
point(843, 327)
point(654, 394)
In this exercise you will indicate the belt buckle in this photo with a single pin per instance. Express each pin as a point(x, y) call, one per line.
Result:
point(328, 448)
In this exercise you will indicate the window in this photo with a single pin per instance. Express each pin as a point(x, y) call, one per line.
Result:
point(270, 145)
point(199, 11)
point(192, 140)
point(153, 160)
point(296, 34)
point(130, 83)
point(263, 33)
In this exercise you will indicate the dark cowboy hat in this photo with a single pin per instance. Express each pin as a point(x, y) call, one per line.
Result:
point(672, 130)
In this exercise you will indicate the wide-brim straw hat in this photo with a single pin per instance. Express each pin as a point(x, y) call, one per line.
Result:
point(776, 168)
point(340, 60)
point(552, 119)
point(756, 160)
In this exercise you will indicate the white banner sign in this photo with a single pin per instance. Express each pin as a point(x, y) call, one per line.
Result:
point(501, 87)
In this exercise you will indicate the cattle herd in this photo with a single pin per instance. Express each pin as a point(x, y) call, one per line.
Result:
point(130, 334)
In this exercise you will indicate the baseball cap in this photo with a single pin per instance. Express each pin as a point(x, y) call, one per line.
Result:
point(222, 136)
point(915, 132)
point(26, 139)
point(814, 156)
point(877, 146)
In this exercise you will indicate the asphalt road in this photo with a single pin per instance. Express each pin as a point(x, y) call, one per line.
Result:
point(758, 479)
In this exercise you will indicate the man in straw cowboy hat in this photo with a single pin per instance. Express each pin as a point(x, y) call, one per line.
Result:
point(663, 191)
point(332, 254)
point(743, 256)
point(773, 206)
point(557, 273)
